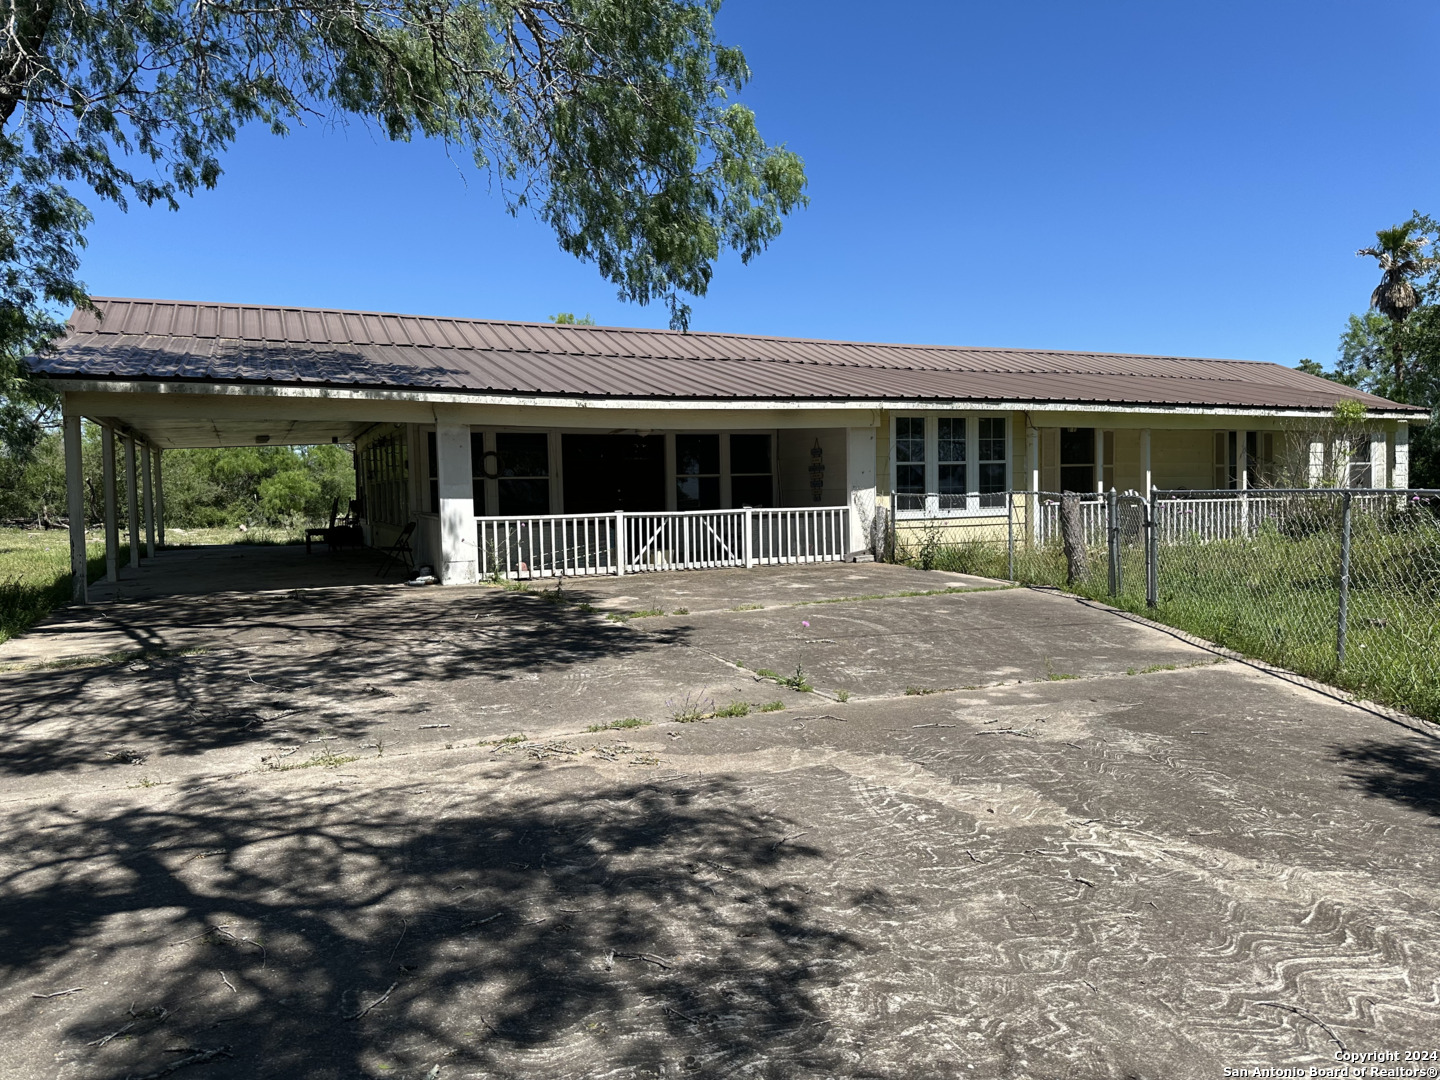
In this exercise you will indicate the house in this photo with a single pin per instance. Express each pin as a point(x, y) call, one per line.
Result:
point(523, 447)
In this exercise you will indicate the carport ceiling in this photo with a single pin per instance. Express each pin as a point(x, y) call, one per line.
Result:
point(172, 434)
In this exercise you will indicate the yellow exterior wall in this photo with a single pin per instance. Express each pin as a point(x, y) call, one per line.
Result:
point(794, 459)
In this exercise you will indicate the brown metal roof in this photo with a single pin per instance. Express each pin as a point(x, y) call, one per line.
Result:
point(235, 343)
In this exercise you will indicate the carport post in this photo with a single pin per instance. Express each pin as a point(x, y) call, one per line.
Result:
point(112, 525)
point(458, 547)
point(132, 501)
point(149, 499)
point(75, 507)
point(160, 496)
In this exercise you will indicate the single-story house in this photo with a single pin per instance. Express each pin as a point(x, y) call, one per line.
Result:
point(560, 448)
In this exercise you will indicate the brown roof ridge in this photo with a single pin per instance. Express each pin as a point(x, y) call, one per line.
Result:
point(709, 334)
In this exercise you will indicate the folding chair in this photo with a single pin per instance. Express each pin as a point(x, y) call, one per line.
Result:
point(398, 550)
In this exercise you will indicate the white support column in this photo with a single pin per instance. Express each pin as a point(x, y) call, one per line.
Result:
point(160, 495)
point(1315, 473)
point(1400, 478)
point(1379, 459)
point(75, 507)
point(457, 502)
point(112, 524)
point(1242, 460)
point(860, 477)
point(132, 501)
point(1032, 469)
point(1099, 460)
point(148, 499)
point(1147, 476)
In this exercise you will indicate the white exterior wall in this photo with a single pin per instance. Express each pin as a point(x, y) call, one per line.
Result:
point(458, 555)
point(860, 469)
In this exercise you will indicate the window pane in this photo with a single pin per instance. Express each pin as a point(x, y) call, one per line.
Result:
point(992, 479)
point(751, 490)
point(524, 497)
point(477, 454)
point(952, 479)
point(698, 493)
point(748, 454)
point(910, 479)
point(951, 446)
point(477, 492)
point(992, 439)
point(699, 455)
point(523, 454)
point(910, 440)
point(432, 455)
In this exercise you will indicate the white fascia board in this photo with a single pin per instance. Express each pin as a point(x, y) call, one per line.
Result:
point(447, 397)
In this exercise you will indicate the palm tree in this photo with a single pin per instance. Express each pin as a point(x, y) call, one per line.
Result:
point(1401, 258)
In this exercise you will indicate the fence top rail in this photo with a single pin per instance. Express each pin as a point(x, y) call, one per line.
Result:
point(609, 515)
point(1239, 493)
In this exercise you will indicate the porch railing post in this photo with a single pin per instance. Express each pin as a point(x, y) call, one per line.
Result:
point(1344, 582)
point(749, 538)
point(619, 549)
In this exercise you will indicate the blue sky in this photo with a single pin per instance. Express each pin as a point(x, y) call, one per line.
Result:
point(1136, 177)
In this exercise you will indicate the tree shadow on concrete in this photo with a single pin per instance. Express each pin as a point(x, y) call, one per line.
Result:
point(1407, 773)
point(309, 663)
point(636, 929)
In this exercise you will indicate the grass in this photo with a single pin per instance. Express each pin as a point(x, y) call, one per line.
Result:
point(748, 607)
point(773, 706)
point(798, 681)
point(692, 710)
point(510, 740)
point(626, 616)
point(917, 691)
point(842, 696)
point(735, 708)
point(620, 725)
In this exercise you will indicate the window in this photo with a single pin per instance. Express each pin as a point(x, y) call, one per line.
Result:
point(384, 468)
point(1358, 473)
point(945, 465)
point(992, 461)
point(910, 463)
point(697, 472)
point(751, 473)
point(950, 457)
point(524, 473)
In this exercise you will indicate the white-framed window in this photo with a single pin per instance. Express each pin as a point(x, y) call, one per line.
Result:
point(949, 464)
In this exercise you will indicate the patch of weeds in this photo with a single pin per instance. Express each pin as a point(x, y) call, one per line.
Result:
point(589, 609)
point(773, 706)
point(510, 739)
point(144, 782)
point(648, 613)
point(766, 673)
point(916, 691)
point(121, 656)
point(798, 681)
point(512, 585)
point(748, 607)
point(1060, 676)
point(681, 611)
point(1154, 668)
point(842, 696)
point(692, 709)
point(618, 725)
point(735, 708)
point(325, 759)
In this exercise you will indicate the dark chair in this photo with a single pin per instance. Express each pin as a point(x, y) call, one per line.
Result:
point(399, 549)
point(322, 533)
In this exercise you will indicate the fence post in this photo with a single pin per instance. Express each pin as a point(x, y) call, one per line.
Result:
point(620, 558)
point(1010, 535)
point(1344, 579)
point(1152, 553)
point(1112, 515)
point(749, 545)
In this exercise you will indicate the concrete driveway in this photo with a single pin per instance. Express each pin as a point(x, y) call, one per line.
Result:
point(366, 833)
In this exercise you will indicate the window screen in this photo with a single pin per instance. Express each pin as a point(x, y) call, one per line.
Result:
point(751, 473)
point(524, 473)
point(910, 463)
point(950, 458)
point(697, 472)
point(992, 459)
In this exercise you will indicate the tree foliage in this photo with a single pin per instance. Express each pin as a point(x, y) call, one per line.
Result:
point(612, 120)
point(1393, 349)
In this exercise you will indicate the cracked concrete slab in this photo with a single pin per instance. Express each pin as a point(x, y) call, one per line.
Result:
point(1159, 874)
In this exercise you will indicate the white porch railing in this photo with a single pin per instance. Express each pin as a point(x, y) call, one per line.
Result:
point(579, 545)
point(1237, 516)
point(1093, 517)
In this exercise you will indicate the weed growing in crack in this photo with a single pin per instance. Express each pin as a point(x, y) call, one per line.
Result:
point(842, 696)
point(916, 691)
point(617, 725)
point(735, 708)
point(692, 709)
point(326, 759)
point(774, 706)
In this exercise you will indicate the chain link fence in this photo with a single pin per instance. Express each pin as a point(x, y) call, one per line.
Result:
point(1337, 585)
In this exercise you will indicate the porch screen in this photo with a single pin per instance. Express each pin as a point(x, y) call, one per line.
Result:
point(752, 471)
point(524, 473)
point(384, 468)
point(697, 472)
